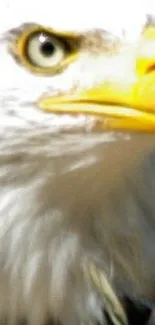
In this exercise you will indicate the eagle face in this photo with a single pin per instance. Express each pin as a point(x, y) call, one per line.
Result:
point(94, 74)
point(68, 104)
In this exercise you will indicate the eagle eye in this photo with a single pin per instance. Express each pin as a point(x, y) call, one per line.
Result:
point(45, 51)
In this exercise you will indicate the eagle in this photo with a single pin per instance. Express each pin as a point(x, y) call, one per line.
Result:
point(77, 166)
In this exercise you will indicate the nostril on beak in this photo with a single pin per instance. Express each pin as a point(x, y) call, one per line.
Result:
point(145, 65)
point(145, 62)
point(151, 68)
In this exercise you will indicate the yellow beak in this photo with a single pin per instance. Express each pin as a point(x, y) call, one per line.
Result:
point(120, 105)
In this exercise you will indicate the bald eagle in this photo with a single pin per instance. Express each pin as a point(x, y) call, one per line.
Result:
point(77, 175)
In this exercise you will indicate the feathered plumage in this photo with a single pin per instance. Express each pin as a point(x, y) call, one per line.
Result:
point(69, 194)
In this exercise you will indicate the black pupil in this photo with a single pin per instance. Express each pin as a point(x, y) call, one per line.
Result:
point(47, 48)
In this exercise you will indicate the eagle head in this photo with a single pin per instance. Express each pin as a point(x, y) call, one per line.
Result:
point(77, 124)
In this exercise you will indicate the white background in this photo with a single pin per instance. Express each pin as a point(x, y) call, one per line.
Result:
point(114, 15)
